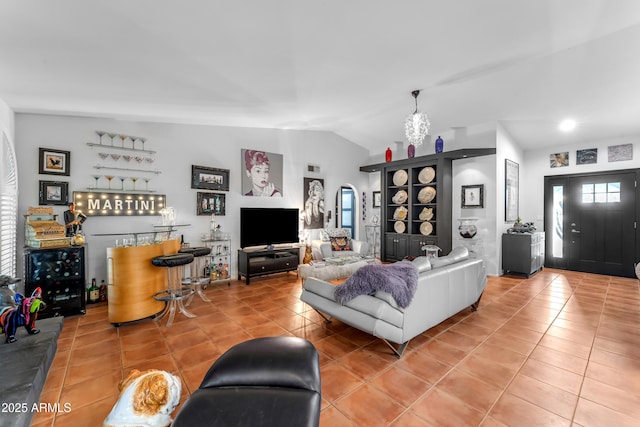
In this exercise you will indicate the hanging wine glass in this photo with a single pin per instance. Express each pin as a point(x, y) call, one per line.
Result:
point(123, 137)
point(143, 141)
point(139, 159)
point(100, 133)
point(103, 155)
point(134, 179)
point(127, 157)
point(133, 142)
point(96, 177)
point(122, 179)
point(109, 178)
point(146, 183)
point(149, 160)
point(115, 157)
point(112, 135)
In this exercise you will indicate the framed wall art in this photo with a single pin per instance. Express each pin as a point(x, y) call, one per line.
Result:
point(205, 178)
point(54, 162)
point(262, 175)
point(511, 190)
point(618, 153)
point(587, 157)
point(473, 196)
point(377, 199)
point(313, 211)
point(211, 203)
point(559, 160)
point(54, 193)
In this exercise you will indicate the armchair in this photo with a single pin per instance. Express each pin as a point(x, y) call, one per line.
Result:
point(270, 381)
point(337, 242)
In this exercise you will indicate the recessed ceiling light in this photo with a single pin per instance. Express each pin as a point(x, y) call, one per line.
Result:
point(567, 125)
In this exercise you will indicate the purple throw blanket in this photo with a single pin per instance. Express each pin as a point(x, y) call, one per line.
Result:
point(399, 279)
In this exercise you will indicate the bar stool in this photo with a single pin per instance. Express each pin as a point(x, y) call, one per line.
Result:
point(175, 292)
point(197, 278)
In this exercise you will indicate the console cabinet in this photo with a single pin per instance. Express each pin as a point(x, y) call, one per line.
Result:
point(60, 273)
point(268, 261)
point(523, 252)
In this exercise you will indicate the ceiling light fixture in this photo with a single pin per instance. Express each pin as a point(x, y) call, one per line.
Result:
point(567, 125)
point(416, 126)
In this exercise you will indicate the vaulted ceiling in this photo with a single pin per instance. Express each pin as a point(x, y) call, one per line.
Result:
point(343, 66)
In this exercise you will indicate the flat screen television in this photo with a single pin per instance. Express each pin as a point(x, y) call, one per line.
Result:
point(268, 226)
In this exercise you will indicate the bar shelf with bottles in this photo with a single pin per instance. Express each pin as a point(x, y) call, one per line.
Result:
point(220, 256)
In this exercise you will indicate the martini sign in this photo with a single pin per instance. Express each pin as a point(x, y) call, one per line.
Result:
point(118, 204)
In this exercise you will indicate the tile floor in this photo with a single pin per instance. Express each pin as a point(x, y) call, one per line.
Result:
point(560, 348)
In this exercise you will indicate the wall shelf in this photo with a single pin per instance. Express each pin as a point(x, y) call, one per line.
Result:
point(120, 190)
point(126, 169)
point(115, 147)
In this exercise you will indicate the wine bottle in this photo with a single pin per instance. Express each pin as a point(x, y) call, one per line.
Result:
point(94, 292)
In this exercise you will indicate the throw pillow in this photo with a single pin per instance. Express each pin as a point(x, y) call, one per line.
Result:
point(340, 243)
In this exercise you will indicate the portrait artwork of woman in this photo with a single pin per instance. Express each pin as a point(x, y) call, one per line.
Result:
point(314, 204)
point(257, 168)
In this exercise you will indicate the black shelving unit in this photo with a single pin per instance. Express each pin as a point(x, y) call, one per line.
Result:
point(409, 242)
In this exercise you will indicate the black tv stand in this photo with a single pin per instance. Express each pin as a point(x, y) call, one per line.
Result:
point(267, 261)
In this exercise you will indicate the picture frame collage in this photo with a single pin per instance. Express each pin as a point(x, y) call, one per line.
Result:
point(208, 178)
point(53, 162)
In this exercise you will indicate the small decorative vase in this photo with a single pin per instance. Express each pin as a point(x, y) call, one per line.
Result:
point(439, 144)
point(388, 155)
point(467, 227)
point(411, 151)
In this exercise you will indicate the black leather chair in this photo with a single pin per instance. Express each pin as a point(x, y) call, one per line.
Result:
point(273, 381)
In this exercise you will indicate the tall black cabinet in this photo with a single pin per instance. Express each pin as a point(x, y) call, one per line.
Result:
point(60, 273)
point(417, 202)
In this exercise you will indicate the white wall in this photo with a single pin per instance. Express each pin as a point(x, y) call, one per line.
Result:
point(475, 171)
point(507, 148)
point(178, 147)
point(537, 166)
point(7, 121)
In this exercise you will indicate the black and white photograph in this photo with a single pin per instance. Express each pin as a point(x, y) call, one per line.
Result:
point(473, 196)
point(587, 157)
point(313, 211)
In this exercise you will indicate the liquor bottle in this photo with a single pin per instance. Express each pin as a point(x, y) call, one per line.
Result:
point(102, 292)
point(388, 155)
point(94, 292)
point(439, 145)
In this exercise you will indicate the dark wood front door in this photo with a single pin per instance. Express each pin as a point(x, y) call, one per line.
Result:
point(590, 222)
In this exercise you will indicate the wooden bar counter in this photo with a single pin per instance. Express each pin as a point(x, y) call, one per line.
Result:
point(133, 280)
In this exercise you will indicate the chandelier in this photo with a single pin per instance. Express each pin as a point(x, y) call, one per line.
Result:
point(416, 126)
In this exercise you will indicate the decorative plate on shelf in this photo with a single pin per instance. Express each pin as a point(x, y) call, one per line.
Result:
point(400, 177)
point(399, 227)
point(426, 195)
point(400, 213)
point(426, 228)
point(426, 214)
point(400, 197)
point(426, 175)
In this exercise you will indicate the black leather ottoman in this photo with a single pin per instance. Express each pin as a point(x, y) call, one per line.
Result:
point(273, 381)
